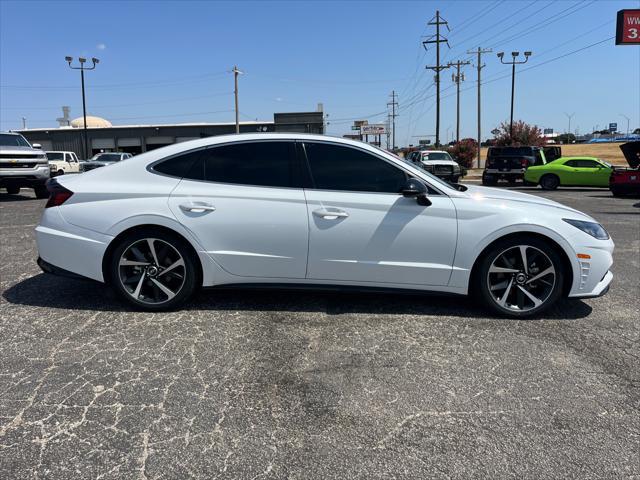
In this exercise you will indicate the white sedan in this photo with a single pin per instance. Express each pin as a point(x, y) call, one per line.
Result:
point(285, 209)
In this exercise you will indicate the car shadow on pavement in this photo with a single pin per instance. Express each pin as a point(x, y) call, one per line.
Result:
point(6, 197)
point(48, 291)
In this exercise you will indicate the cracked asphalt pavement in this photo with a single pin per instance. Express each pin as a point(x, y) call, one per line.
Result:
point(275, 384)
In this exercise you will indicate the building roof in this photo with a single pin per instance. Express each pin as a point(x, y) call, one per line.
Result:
point(163, 125)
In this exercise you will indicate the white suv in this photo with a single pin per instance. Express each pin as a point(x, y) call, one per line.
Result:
point(22, 165)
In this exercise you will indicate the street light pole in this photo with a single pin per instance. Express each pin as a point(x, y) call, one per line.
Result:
point(569, 130)
point(628, 120)
point(513, 64)
point(82, 68)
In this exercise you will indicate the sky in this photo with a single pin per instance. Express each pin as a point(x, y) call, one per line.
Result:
point(169, 62)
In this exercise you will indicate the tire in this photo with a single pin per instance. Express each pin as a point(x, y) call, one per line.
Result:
point(142, 282)
point(455, 179)
point(489, 180)
point(500, 278)
point(59, 172)
point(13, 190)
point(616, 192)
point(549, 181)
point(41, 191)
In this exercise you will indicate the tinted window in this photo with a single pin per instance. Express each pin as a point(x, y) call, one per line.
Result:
point(335, 167)
point(180, 166)
point(255, 163)
point(587, 164)
point(571, 163)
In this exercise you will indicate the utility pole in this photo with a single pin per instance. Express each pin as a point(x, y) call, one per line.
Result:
point(569, 129)
point(479, 67)
point(457, 78)
point(513, 64)
point(437, 39)
point(393, 103)
point(236, 72)
point(82, 68)
point(24, 123)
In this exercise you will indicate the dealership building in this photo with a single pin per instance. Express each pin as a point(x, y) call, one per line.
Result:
point(104, 137)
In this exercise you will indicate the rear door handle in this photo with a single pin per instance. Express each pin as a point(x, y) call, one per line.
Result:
point(330, 213)
point(197, 207)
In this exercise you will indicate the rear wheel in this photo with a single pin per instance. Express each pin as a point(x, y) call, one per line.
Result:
point(154, 270)
point(520, 277)
point(13, 190)
point(60, 172)
point(549, 182)
point(41, 191)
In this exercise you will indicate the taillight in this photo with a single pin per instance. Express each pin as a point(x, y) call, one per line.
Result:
point(524, 162)
point(490, 162)
point(57, 194)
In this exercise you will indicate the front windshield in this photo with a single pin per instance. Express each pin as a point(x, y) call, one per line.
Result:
point(107, 157)
point(7, 140)
point(436, 156)
point(55, 155)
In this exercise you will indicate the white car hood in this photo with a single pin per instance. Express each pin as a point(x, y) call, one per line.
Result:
point(509, 195)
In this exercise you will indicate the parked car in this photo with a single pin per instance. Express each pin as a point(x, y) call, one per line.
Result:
point(22, 165)
point(63, 162)
point(570, 172)
point(437, 162)
point(510, 163)
point(626, 181)
point(313, 211)
point(103, 159)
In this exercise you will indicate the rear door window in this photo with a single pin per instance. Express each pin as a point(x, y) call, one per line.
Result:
point(269, 164)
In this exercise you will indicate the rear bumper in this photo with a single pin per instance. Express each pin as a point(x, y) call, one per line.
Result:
point(47, 267)
point(69, 248)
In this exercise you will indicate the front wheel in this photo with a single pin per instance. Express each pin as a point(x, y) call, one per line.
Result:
point(154, 270)
point(549, 182)
point(519, 277)
point(13, 190)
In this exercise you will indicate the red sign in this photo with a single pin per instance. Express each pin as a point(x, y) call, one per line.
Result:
point(628, 27)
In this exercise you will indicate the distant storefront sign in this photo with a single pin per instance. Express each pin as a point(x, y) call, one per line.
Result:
point(628, 27)
point(548, 131)
point(373, 129)
point(613, 127)
point(424, 142)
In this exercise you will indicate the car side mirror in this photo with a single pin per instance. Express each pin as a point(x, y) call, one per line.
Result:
point(37, 145)
point(414, 188)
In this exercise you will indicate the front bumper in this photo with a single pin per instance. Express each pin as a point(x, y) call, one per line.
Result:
point(25, 177)
point(592, 276)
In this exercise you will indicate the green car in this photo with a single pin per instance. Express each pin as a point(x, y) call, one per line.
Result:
point(570, 171)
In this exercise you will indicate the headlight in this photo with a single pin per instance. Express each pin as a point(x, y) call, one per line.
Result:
point(592, 228)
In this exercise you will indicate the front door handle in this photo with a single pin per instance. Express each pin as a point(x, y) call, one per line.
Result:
point(197, 207)
point(330, 213)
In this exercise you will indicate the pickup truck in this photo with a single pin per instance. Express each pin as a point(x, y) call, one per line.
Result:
point(437, 162)
point(626, 181)
point(22, 165)
point(510, 163)
point(63, 162)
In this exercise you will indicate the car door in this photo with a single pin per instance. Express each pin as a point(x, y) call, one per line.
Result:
point(569, 173)
point(246, 207)
point(593, 173)
point(362, 230)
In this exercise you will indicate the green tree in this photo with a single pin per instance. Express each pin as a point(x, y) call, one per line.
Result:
point(523, 135)
point(464, 151)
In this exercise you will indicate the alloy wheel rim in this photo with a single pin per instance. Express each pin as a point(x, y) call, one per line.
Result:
point(521, 278)
point(152, 271)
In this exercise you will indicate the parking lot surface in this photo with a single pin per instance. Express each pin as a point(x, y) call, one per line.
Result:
point(274, 384)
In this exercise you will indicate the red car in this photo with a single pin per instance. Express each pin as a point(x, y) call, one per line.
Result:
point(626, 181)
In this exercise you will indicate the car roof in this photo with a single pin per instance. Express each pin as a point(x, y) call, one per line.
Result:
point(577, 158)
